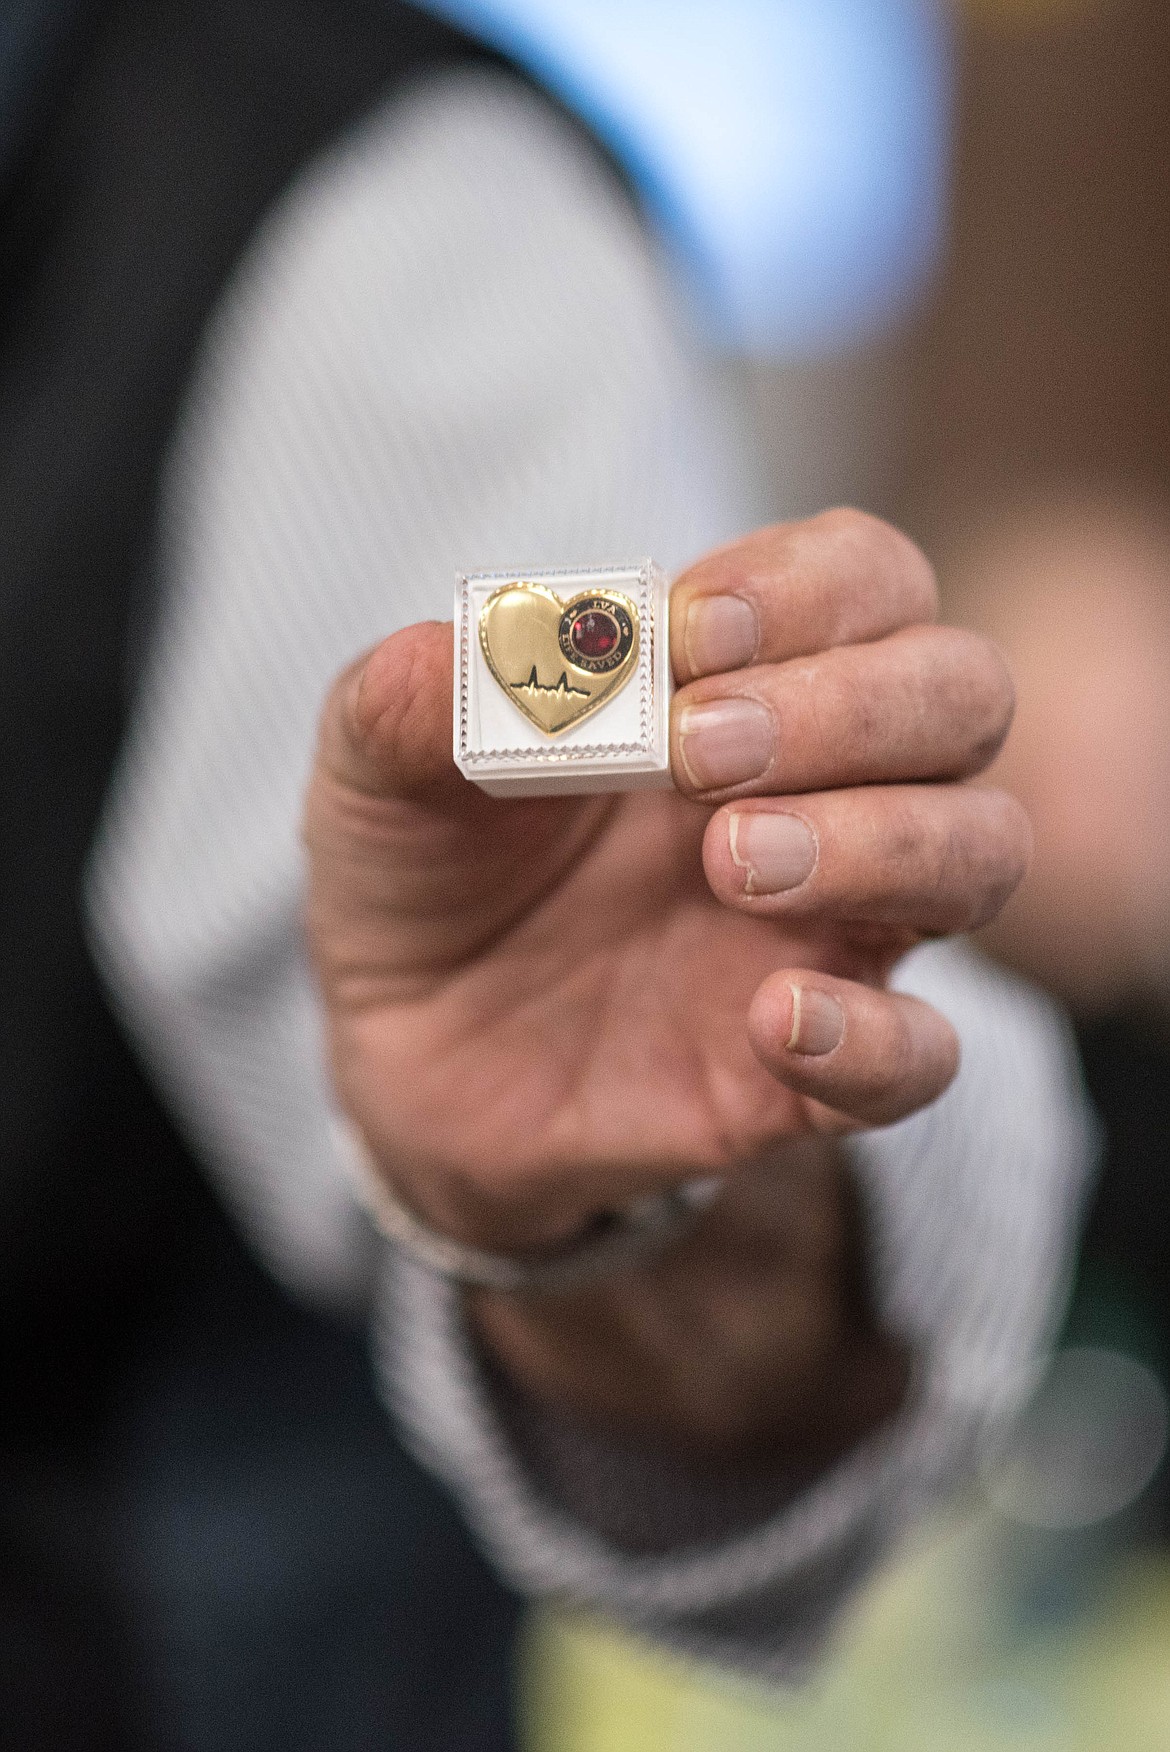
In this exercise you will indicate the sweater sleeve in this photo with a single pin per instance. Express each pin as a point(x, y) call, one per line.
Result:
point(451, 346)
point(972, 1205)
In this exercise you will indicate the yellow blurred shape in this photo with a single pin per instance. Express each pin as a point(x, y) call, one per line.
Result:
point(937, 1659)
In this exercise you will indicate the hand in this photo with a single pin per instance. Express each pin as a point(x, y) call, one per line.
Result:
point(539, 1009)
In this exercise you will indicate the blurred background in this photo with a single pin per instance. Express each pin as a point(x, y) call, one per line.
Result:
point(960, 321)
point(927, 244)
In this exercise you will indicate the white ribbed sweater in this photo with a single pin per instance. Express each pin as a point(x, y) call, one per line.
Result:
point(451, 346)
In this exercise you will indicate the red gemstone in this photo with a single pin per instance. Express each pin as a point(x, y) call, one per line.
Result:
point(593, 634)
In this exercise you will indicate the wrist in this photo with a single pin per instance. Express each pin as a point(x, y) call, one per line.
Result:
point(748, 1341)
point(607, 1241)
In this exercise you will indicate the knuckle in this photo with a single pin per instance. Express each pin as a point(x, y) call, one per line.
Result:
point(908, 841)
point(886, 552)
point(840, 520)
point(960, 855)
point(845, 523)
point(398, 727)
point(374, 695)
point(392, 686)
point(947, 1054)
point(842, 708)
point(963, 864)
point(1005, 851)
point(337, 717)
point(914, 1054)
point(920, 577)
point(995, 684)
point(976, 691)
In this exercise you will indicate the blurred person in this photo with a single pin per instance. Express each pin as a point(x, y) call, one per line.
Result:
point(303, 309)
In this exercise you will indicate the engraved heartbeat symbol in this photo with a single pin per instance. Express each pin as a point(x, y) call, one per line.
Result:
point(533, 686)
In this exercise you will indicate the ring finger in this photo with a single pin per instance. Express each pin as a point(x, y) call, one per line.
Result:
point(925, 858)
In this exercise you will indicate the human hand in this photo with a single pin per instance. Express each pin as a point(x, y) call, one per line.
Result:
point(540, 1009)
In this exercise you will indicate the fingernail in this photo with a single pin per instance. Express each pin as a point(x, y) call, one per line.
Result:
point(725, 742)
point(818, 1022)
point(721, 632)
point(775, 852)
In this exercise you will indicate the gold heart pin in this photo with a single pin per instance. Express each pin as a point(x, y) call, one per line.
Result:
point(558, 661)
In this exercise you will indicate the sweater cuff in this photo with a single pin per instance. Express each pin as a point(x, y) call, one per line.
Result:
point(755, 1576)
point(972, 1207)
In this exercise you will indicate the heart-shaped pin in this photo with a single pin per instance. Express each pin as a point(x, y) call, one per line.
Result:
point(558, 661)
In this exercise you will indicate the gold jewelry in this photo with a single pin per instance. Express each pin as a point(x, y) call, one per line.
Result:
point(562, 679)
point(558, 661)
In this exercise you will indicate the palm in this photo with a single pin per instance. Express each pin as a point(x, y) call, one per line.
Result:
point(596, 1016)
point(539, 1008)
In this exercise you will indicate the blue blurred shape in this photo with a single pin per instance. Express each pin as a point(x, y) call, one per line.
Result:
point(792, 153)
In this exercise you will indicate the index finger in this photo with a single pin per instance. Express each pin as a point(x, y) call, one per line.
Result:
point(842, 578)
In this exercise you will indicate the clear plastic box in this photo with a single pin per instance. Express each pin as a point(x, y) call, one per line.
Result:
point(562, 679)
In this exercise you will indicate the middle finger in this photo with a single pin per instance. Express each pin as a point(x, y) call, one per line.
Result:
point(925, 703)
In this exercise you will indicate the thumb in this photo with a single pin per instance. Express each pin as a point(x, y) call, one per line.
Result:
point(386, 724)
point(412, 868)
